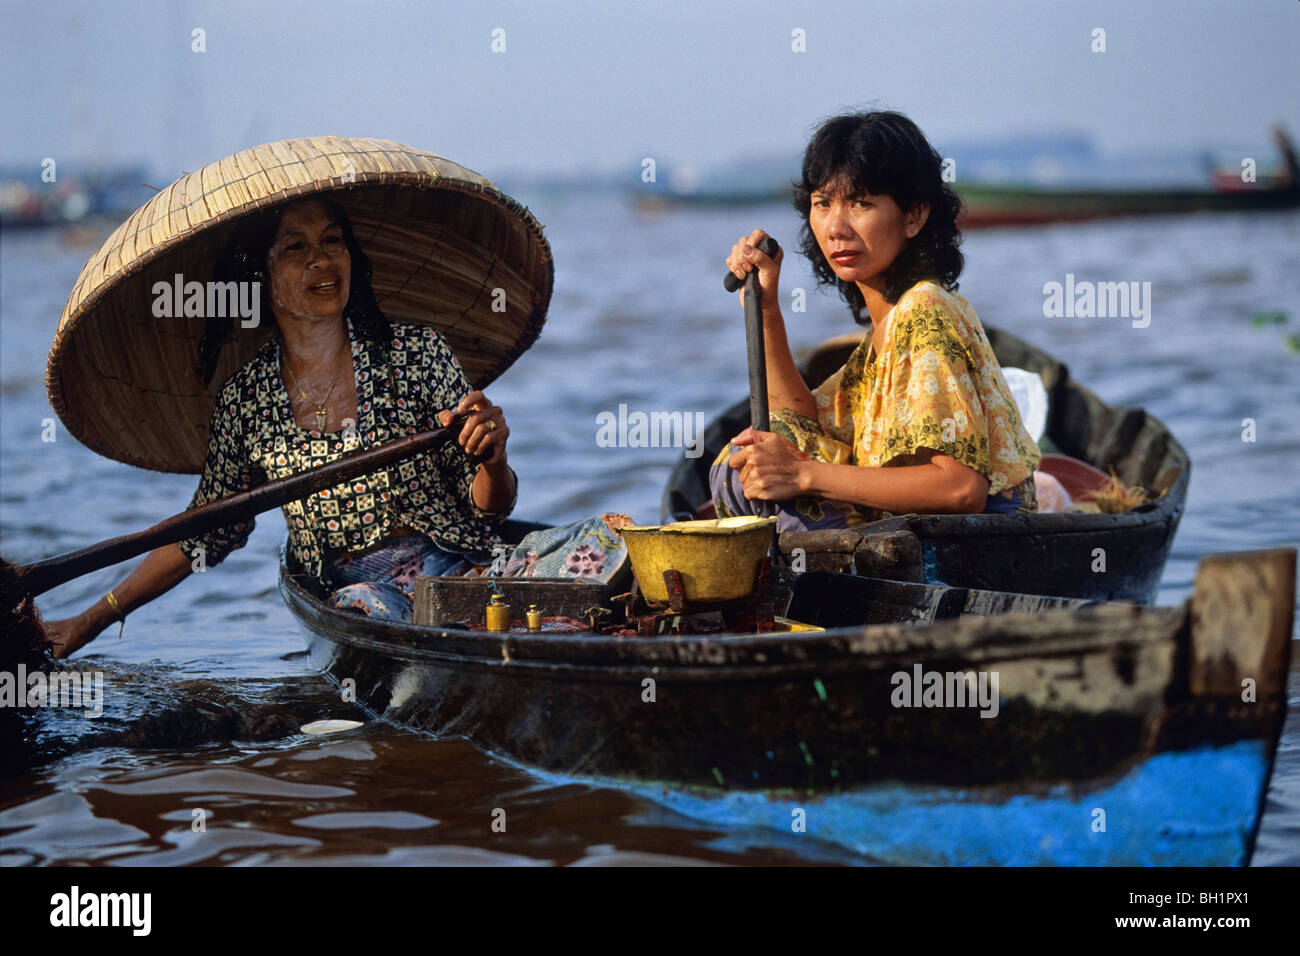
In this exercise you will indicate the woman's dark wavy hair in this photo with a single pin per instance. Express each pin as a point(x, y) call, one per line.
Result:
point(243, 259)
point(883, 153)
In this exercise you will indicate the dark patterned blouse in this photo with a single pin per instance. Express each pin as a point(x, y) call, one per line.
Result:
point(254, 438)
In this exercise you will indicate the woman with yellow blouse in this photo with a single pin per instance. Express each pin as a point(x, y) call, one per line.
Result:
point(920, 418)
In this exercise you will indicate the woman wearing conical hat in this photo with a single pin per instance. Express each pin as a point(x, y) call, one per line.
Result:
point(336, 375)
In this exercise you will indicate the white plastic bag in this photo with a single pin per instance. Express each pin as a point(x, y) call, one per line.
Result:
point(1031, 398)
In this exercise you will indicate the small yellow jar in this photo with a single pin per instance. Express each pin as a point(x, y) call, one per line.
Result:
point(534, 617)
point(498, 613)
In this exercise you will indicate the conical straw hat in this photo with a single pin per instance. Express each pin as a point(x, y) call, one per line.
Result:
point(442, 241)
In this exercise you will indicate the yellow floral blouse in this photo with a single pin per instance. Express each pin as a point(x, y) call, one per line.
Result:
point(935, 384)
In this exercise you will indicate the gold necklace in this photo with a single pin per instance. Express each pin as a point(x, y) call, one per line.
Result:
point(321, 417)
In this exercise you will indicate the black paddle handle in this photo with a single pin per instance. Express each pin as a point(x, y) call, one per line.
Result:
point(756, 347)
point(50, 573)
point(768, 246)
point(754, 341)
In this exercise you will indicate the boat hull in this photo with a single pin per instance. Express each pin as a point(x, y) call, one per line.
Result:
point(1090, 704)
point(1184, 808)
point(988, 205)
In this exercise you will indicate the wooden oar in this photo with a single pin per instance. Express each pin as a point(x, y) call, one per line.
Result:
point(22, 583)
point(756, 347)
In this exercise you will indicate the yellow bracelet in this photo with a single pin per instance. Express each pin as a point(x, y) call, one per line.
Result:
point(117, 609)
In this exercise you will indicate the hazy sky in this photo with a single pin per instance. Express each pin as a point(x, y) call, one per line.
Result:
point(605, 84)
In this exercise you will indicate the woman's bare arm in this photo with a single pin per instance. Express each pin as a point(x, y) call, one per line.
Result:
point(494, 487)
point(160, 571)
point(927, 482)
point(785, 386)
point(937, 485)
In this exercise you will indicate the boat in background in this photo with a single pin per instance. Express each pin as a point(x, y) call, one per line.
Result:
point(1008, 201)
point(100, 199)
point(1048, 554)
point(989, 204)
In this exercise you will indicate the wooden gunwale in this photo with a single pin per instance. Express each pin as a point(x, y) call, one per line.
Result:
point(978, 639)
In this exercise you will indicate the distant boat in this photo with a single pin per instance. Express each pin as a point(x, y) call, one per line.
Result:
point(1020, 205)
point(103, 196)
point(1024, 204)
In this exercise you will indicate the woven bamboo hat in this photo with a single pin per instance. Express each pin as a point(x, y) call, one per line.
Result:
point(441, 239)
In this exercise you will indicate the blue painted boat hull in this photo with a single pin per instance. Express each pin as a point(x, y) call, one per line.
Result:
point(1190, 808)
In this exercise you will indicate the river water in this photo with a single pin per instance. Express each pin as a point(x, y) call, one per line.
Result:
point(638, 317)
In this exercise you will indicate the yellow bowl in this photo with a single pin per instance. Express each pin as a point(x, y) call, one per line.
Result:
point(718, 559)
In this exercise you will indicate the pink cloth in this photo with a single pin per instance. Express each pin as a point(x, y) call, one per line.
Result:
point(1052, 496)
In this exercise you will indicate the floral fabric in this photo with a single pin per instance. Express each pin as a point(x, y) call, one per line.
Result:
point(935, 384)
point(591, 548)
point(381, 583)
point(255, 438)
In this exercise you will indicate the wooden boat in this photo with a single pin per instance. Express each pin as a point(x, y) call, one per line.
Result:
point(988, 205)
point(1114, 734)
point(1021, 203)
point(1054, 554)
